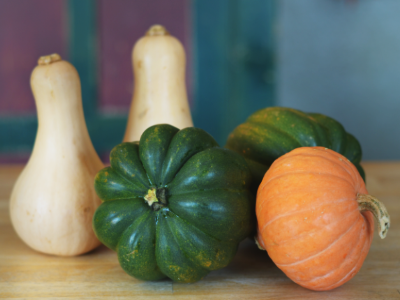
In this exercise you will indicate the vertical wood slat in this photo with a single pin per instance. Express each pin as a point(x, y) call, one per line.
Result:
point(105, 131)
point(234, 60)
point(210, 47)
point(83, 50)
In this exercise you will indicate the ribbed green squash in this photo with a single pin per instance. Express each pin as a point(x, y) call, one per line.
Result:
point(271, 132)
point(175, 204)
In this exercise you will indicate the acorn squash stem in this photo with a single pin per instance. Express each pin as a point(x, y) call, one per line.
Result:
point(156, 198)
point(372, 204)
point(151, 197)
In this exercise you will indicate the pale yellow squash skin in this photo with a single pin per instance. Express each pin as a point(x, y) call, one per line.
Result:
point(53, 200)
point(159, 96)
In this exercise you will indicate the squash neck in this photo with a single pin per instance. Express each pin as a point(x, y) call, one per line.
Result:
point(57, 92)
point(156, 198)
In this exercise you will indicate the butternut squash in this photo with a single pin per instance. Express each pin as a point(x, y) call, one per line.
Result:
point(53, 200)
point(158, 61)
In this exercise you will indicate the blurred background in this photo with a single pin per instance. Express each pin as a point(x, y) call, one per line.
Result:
point(336, 57)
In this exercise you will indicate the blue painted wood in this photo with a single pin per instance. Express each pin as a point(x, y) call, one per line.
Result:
point(83, 50)
point(105, 131)
point(255, 42)
point(17, 134)
point(211, 44)
point(234, 62)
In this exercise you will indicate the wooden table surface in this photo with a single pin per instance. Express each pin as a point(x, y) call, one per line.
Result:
point(26, 274)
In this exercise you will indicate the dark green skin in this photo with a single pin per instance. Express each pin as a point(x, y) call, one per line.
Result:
point(204, 210)
point(271, 132)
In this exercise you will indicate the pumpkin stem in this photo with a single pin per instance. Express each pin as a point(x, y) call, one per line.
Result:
point(372, 204)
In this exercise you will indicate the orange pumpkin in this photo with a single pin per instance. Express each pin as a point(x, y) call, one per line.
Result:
point(315, 217)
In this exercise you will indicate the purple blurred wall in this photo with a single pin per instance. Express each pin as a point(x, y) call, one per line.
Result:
point(28, 30)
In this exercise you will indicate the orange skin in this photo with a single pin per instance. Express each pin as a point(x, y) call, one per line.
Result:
point(309, 220)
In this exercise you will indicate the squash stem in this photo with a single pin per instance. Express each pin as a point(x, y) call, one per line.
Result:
point(372, 204)
point(48, 59)
point(157, 30)
point(156, 198)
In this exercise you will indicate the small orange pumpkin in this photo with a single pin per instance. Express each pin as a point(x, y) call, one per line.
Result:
point(315, 217)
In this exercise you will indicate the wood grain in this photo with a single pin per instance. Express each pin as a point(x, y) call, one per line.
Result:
point(26, 274)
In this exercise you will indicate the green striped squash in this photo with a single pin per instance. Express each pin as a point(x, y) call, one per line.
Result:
point(271, 132)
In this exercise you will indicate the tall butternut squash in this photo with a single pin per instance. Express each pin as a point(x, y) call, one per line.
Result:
point(53, 200)
point(158, 61)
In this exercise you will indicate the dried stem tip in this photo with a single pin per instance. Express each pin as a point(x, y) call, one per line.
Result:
point(48, 59)
point(157, 30)
point(372, 204)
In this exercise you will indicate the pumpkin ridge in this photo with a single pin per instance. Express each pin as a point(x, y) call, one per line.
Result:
point(346, 161)
point(323, 157)
point(349, 274)
point(322, 251)
point(330, 272)
point(303, 172)
point(300, 211)
point(321, 228)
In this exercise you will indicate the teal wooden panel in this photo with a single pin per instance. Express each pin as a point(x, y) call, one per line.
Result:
point(17, 134)
point(234, 62)
point(105, 131)
point(83, 50)
point(211, 45)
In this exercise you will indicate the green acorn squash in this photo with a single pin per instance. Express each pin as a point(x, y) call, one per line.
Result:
point(271, 132)
point(174, 205)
